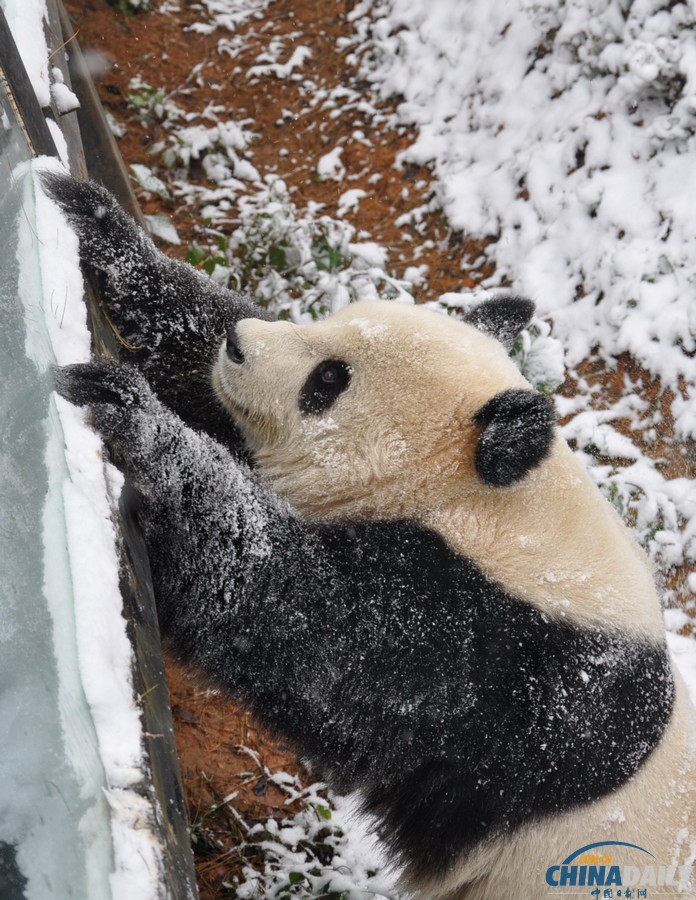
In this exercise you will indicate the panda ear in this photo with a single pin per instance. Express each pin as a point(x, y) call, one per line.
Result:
point(502, 317)
point(517, 433)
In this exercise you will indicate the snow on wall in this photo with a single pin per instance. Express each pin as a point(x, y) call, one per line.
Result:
point(88, 486)
point(26, 21)
point(93, 652)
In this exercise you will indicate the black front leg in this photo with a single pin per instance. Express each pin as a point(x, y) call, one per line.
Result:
point(236, 572)
point(169, 318)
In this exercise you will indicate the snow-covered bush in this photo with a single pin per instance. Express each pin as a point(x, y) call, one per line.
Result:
point(219, 148)
point(151, 102)
point(300, 263)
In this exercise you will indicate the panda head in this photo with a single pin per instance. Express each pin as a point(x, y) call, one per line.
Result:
point(366, 410)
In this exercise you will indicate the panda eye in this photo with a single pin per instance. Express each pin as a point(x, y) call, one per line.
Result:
point(325, 383)
point(329, 375)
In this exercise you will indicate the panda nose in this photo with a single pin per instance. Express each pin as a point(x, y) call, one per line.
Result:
point(234, 352)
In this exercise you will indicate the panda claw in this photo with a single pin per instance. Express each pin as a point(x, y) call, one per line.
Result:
point(110, 240)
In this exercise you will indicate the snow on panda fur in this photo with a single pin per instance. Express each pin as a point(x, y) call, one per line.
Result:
point(420, 587)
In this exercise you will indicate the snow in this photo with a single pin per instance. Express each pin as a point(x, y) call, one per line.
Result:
point(349, 201)
point(104, 649)
point(330, 165)
point(577, 150)
point(282, 70)
point(26, 21)
point(229, 15)
point(64, 99)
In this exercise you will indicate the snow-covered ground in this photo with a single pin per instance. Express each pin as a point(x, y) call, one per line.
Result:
point(564, 130)
point(569, 130)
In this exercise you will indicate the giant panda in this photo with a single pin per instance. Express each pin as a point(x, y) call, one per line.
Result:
point(418, 586)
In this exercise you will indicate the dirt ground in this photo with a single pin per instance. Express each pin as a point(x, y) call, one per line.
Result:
point(162, 49)
point(222, 750)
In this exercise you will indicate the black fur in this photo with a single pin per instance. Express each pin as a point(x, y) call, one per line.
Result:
point(517, 435)
point(170, 318)
point(502, 317)
point(324, 385)
point(390, 661)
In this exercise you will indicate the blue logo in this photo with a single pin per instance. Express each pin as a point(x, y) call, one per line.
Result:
point(596, 868)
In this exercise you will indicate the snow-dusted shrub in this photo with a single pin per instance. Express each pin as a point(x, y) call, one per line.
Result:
point(219, 148)
point(151, 102)
point(300, 263)
point(132, 6)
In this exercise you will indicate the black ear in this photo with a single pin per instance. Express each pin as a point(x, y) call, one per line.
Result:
point(502, 317)
point(517, 435)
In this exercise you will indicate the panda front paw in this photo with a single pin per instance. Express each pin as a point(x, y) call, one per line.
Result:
point(78, 199)
point(112, 391)
point(109, 237)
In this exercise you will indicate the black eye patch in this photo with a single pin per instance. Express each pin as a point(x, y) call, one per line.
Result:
point(324, 385)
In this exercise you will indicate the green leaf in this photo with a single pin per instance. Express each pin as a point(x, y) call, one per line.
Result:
point(327, 257)
point(323, 811)
point(277, 258)
point(148, 181)
point(196, 254)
